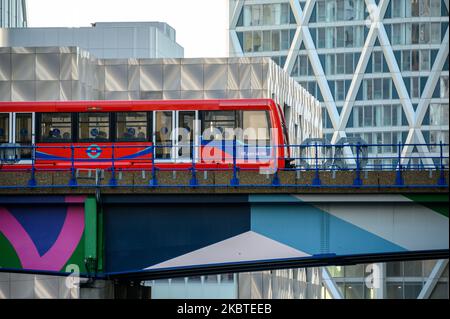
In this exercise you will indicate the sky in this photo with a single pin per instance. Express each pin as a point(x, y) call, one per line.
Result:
point(201, 25)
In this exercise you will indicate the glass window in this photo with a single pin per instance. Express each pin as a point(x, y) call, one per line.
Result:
point(340, 10)
point(336, 271)
point(276, 13)
point(216, 122)
point(285, 40)
point(438, 114)
point(394, 290)
point(424, 37)
point(267, 41)
point(131, 126)
point(406, 60)
point(303, 65)
point(163, 134)
point(329, 65)
point(378, 115)
point(268, 18)
point(256, 121)
point(321, 13)
point(257, 15)
point(330, 38)
point(387, 115)
point(4, 128)
point(415, 8)
point(378, 61)
point(248, 41)
point(321, 38)
point(408, 33)
point(415, 60)
point(247, 16)
point(348, 37)
point(330, 10)
point(354, 291)
point(413, 268)
point(284, 16)
point(394, 269)
point(276, 40)
point(435, 30)
point(387, 88)
point(424, 8)
point(93, 126)
point(56, 127)
point(257, 41)
point(424, 60)
point(444, 87)
point(354, 271)
point(340, 37)
point(435, 8)
point(415, 34)
point(368, 90)
point(349, 63)
point(440, 291)
point(398, 8)
point(359, 35)
point(397, 35)
point(368, 115)
point(377, 91)
point(340, 63)
point(412, 290)
point(340, 91)
point(349, 8)
point(415, 87)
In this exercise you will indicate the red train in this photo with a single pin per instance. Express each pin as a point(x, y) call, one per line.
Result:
point(136, 134)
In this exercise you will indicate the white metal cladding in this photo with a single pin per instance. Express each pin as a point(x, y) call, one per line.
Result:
point(69, 73)
point(414, 109)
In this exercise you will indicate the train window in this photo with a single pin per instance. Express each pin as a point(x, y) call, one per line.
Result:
point(131, 126)
point(163, 134)
point(93, 127)
point(216, 122)
point(255, 125)
point(4, 128)
point(56, 127)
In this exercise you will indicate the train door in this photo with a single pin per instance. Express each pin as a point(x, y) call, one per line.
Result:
point(174, 135)
point(22, 133)
point(184, 141)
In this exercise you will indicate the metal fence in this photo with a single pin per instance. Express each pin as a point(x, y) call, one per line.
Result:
point(357, 159)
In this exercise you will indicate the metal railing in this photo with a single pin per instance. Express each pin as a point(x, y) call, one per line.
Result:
point(357, 159)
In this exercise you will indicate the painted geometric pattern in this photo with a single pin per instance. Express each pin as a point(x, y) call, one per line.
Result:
point(42, 236)
point(268, 228)
point(376, 36)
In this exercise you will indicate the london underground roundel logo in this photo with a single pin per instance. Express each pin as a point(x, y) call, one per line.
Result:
point(94, 151)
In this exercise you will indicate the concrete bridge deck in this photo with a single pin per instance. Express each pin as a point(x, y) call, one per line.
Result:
point(250, 182)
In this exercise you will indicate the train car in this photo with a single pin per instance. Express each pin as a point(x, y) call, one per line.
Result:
point(138, 134)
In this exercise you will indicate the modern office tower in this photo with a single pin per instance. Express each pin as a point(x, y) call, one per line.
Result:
point(13, 13)
point(380, 68)
point(113, 40)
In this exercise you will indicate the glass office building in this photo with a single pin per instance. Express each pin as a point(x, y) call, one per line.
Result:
point(13, 13)
point(379, 68)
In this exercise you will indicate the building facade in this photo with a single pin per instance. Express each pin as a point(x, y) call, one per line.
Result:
point(112, 40)
point(13, 13)
point(380, 68)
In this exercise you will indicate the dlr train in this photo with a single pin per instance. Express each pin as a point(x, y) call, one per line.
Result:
point(172, 134)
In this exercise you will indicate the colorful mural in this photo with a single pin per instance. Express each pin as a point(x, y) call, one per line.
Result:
point(175, 233)
point(42, 234)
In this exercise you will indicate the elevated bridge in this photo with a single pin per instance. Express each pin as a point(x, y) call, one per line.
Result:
point(166, 223)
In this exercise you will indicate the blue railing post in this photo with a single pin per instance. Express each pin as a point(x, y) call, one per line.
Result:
point(276, 179)
point(357, 181)
point(316, 180)
point(153, 180)
point(113, 180)
point(235, 180)
point(441, 180)
point(398, 176)
point(73, 177)
point(194, 181)
point(32, 181)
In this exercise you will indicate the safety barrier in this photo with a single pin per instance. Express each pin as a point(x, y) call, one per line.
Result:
point(314, 155)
